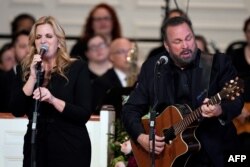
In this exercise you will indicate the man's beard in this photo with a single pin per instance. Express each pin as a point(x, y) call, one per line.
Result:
point(183, 62)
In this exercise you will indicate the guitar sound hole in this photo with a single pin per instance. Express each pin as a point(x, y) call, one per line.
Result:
point(169, 134)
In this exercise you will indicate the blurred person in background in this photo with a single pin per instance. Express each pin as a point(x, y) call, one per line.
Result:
point(7, 62)
point(97, 53)
point(21, 45)
point(23, 21)
point(7, 57)
point(115, 78)
point(102, 20)
point(241, 61)
point(201, 43)
point(21, 49)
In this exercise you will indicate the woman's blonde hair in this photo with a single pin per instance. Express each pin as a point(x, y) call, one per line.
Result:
point(62, 58)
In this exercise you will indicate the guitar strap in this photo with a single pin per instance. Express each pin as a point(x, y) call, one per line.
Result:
point(206, 62)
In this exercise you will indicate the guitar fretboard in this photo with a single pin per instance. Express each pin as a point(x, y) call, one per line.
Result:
point(196, 114)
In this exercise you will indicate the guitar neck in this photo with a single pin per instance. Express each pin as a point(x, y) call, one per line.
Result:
point(195, 115)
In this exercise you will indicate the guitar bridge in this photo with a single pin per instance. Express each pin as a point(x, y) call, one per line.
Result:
point(169, 135)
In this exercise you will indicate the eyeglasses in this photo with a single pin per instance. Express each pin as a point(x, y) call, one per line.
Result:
point(122, 51)
point(101, 45)
point(98, 19)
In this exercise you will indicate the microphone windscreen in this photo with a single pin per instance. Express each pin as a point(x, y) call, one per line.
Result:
point(163, 59)
point(43, 49)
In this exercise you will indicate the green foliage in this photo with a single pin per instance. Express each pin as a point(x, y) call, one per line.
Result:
point(115, 141)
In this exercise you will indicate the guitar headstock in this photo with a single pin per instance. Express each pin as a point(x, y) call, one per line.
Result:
point(233, 88)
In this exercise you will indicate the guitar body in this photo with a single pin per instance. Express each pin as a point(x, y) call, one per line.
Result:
point(243, 126)
point(182, 145)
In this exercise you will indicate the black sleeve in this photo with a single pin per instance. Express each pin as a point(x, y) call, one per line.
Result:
point(19, 104)
point(80, 109)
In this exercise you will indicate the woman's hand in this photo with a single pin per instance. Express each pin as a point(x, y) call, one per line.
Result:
point(43, 94)
point(36, 59)
point(31, 82)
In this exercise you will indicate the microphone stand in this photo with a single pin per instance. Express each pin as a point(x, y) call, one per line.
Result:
point(34, 120)
point(153, 115)
point(166, 8)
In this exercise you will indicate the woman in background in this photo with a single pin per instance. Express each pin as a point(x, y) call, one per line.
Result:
point(102, 20)
point(98, 56)
point(7, 57)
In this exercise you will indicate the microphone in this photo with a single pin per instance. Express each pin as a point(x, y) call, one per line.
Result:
point(162, 60)
point(43, 50)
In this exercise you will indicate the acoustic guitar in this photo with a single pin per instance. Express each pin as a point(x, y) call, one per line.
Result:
point(178, 124)
point(243, 125)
